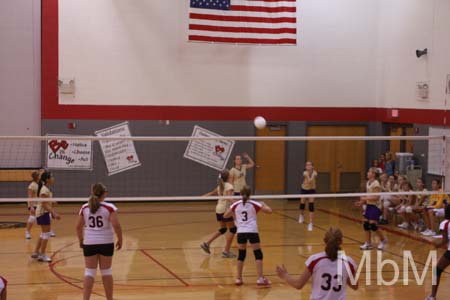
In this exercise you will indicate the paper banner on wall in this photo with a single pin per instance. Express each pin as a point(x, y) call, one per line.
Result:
point(119, 155)
point(69, 154)
point(211, 153)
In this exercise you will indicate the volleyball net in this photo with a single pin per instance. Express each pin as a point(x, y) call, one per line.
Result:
point(184, 168)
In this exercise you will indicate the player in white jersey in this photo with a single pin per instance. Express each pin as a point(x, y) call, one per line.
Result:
point(32, 192)
point(245, 212)
point(327, 283)
point(224, 188)
point(96, 225)
point(444, 261)
point(3, 284)
point(44, 213)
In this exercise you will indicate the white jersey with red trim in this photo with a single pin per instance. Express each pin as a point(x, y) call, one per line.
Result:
point(245, 215)
point(325, 280)
point(97, 228)
point(445, 227)
point(3, 283)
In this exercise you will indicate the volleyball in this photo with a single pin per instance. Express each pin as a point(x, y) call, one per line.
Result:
point(260, 122)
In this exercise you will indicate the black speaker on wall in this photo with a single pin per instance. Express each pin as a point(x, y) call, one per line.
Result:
point(420, 53)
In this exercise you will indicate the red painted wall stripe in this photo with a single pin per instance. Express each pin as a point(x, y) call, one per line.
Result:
point(51, 109)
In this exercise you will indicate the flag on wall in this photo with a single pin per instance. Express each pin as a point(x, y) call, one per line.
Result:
point(270, 22)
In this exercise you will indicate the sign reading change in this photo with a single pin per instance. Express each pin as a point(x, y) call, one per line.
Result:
point(69, 154)
point(211, 153)
point(119, 155)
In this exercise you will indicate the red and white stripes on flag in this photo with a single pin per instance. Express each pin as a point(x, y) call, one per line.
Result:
point(270, 22)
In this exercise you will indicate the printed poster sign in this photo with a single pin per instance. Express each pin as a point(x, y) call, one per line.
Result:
point(69, 154)
point(211, 153)
point(119, 155)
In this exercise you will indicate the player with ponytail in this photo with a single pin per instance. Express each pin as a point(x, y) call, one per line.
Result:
point(327, 283)
point(32, 193)
point(44, 213)
point(245, 212)
point(96, 222)
point(224, 188)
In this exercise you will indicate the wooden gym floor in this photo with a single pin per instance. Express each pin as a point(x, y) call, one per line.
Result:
point(161, 258)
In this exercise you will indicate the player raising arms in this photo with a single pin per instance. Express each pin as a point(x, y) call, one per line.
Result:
point(444, 261)
point(98, 219)
point(224, 188)
point(245, 212)
point(44, 213)
point(373, 212)
point(239, 171)
point(323, 268)
point(32, 193)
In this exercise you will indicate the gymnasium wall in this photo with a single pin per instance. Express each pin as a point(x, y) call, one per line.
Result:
point(136, 53)
point(404, 26)
point(351, 53)
point(20, 56)
point(20, 100)
point(164, 171)
point(337, 64)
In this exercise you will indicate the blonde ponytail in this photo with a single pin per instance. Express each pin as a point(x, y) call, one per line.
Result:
point(98, 190)
point(245, 193)
point(223, 177)
point(333, 240)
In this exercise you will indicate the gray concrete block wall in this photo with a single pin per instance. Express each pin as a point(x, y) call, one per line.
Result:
point(164, 171)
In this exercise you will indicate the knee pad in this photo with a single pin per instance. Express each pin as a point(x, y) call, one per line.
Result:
point(373, 227)
point(45, 235)
point(223, 230)
point(258, 254)
point(311, 206)
point(242, 254)
point(366, 226)
point(439, 272)
point(90, 272)
point(31, 219)
point(233, 230)
point(106, 272)
point(302, 206)
point(408, 210)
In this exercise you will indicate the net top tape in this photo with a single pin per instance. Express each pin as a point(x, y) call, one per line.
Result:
point(200, 198)
point(233, 138)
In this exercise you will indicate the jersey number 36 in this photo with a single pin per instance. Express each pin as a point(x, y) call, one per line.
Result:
point(95, 222)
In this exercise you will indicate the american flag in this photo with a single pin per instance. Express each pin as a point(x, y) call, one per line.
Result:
point(272, 22)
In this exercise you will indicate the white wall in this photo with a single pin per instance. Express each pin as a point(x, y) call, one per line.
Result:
point(407, 25)
point(126, 52)
point(20, 100)
point(20, 58)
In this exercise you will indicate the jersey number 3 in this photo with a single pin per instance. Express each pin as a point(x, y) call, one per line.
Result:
point(245, 218)
point(95, 222)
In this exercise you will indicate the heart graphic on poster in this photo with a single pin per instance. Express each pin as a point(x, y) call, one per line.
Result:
point(130, 158)
point(220, 149)
point(55, 145)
